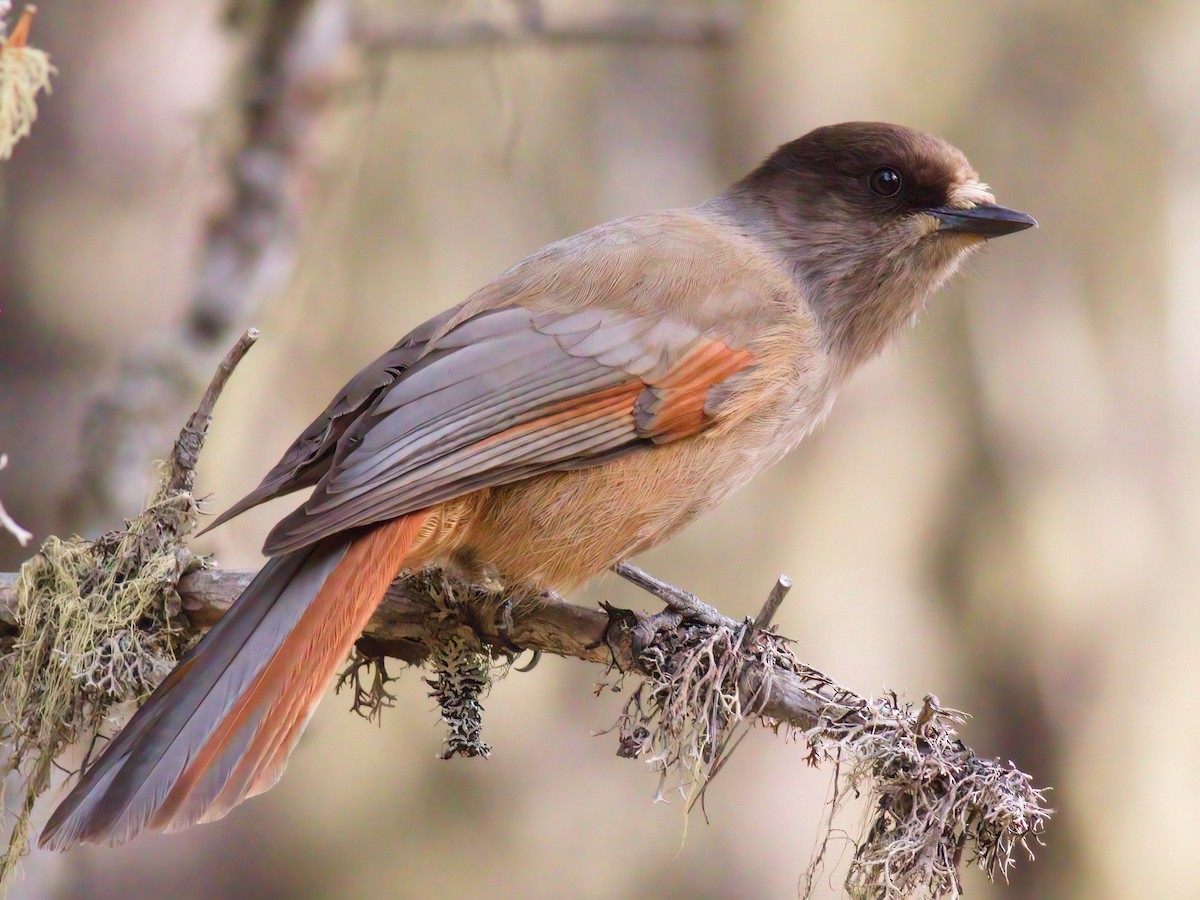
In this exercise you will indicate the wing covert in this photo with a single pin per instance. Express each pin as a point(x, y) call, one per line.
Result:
point(509, 394)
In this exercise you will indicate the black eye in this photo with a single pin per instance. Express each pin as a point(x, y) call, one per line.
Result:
point(885, 182)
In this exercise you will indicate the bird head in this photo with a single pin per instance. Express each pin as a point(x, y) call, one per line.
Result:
point(870, 218)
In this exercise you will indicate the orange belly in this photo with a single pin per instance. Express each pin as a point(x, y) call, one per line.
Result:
point(559, 530)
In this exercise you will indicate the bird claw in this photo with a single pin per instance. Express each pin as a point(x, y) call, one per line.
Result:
point(532, 664)
point(502, 624)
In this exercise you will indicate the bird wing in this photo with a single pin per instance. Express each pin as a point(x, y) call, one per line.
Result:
point(509, 393)
point(310, 455)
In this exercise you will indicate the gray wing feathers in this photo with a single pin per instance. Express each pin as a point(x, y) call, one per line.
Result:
point(310, 455)
point(480, 410)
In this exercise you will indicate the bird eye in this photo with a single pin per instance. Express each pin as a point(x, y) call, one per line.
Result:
point(885, 182)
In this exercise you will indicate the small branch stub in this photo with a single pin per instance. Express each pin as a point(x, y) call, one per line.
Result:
point(770, 607)
point(190, 442)
point(7, 522)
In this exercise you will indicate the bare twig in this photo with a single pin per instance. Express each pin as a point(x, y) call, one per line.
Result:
point(423, 26)
point(6, 521)
point(191, 438)
point(247, 254)
point(770, 606)
point(684, 603)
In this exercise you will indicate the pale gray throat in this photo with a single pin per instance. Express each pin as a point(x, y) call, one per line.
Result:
point(859, 300)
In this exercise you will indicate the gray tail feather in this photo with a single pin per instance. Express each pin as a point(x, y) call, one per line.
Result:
point(118, 796)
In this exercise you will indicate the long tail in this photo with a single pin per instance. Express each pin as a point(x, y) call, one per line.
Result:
point(221, 726)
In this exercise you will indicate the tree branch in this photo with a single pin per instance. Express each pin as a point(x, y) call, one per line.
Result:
point(437, 25)
point(933, 797)
point(547, 623)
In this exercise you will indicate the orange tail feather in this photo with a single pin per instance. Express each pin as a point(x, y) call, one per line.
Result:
point(223, 724)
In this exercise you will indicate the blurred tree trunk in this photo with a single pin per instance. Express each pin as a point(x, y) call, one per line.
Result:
point(246, 256)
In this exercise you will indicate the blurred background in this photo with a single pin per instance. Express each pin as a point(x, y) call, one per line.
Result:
point(1003, 510)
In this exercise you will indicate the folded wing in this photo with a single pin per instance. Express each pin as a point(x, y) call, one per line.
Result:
point(508, 394)
point(309, 456)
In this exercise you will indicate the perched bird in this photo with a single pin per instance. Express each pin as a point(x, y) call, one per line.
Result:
point(579, 409)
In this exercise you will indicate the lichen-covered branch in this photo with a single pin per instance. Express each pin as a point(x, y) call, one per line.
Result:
point(937, 805)
point(96, 624)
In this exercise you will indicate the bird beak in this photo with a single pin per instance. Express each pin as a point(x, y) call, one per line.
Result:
point(986, 220)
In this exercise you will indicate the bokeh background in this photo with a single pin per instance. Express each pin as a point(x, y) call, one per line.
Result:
point(1004, 510)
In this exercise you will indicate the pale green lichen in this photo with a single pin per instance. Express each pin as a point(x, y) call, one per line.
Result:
point(96, 630)
point(24, 73)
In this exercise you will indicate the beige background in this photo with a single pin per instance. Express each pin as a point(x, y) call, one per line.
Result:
point(1003, 510)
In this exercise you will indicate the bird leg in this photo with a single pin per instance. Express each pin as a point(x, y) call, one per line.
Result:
point(502, 623)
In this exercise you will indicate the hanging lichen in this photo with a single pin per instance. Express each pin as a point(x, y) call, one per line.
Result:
point(24, 73)
point(97, 629)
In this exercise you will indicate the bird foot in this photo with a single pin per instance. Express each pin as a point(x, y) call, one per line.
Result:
point(644, 633)
point(502, 624)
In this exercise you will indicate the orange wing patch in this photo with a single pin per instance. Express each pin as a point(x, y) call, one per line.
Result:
point(664, 410)
point(672, 407)
point(610, 402)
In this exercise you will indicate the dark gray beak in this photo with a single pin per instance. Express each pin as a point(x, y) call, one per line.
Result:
point(986, 220)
